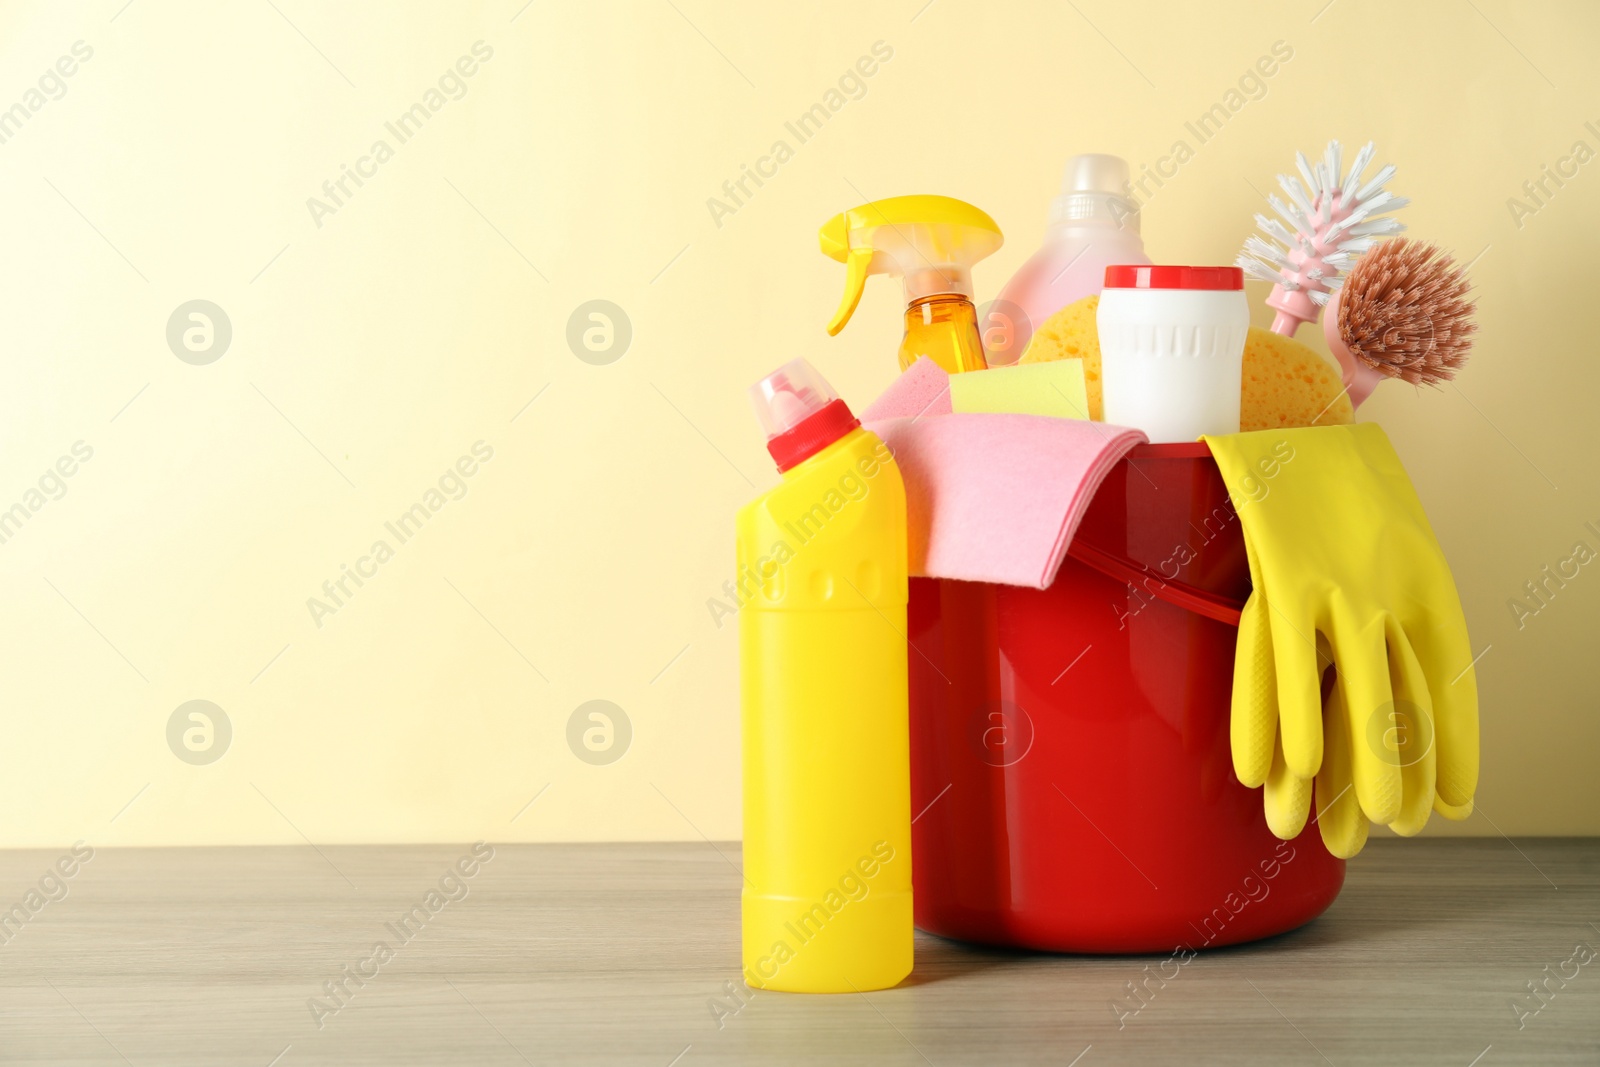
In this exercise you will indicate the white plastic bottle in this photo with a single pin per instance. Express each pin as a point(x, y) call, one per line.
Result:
point(1172, 349)
point(1093, 225)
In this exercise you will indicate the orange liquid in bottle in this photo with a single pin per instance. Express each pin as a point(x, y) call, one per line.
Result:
point(943, 327)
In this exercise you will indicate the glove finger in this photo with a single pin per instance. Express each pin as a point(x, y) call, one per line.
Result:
point(1363, 655)
point(1455, 813)
point(1253, 727)
point(1437, 631)
point(1339, 816)
point(1299, 670)
point(1454, 688)
point(1412, 734)
point(1286, 799)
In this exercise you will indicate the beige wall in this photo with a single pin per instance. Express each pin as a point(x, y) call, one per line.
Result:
point(373, 346)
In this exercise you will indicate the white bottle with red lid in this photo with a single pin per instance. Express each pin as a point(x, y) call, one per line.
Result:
point(1172, 349)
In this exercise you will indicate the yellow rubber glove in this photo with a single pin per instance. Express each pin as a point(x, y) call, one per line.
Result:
point(1346, 572)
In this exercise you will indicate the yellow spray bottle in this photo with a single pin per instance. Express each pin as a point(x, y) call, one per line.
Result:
point(931, 242)
point(822, 654)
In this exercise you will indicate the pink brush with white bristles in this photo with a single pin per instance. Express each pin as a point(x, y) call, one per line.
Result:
point(1331, 219)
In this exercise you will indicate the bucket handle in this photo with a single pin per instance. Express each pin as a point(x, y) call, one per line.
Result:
point(1181, 594)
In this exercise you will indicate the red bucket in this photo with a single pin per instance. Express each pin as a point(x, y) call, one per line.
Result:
point(1070, 757)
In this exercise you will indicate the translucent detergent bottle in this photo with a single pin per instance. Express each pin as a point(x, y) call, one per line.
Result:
point(931, 242)
point(826, 739)
point(1093, 225)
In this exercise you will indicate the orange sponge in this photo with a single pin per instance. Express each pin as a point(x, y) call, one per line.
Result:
point(1285, 383)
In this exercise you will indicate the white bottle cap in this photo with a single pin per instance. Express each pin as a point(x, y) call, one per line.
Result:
point(1094, 189)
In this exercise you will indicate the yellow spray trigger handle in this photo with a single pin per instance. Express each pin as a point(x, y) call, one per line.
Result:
point(931, 241)
point(857, 265)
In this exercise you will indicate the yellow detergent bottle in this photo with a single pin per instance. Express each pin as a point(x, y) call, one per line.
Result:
point(931, 242)
point(822, 656)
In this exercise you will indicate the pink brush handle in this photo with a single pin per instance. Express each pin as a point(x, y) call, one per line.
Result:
point(1360, 377)
point(1293, 308)
point(1309, 270)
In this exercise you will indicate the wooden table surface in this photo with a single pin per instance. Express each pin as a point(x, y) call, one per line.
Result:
point(616, 954)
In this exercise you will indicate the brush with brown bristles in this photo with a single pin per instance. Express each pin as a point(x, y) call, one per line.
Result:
point(1402, 312)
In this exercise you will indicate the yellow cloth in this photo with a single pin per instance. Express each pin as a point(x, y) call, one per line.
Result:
point(1346, 573)
point(1055, 389)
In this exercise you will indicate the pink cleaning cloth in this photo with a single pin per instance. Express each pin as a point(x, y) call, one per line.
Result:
point(997, 498)
point(924, 389)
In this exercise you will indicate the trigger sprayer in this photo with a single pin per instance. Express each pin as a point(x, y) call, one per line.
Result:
point(931, 242)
